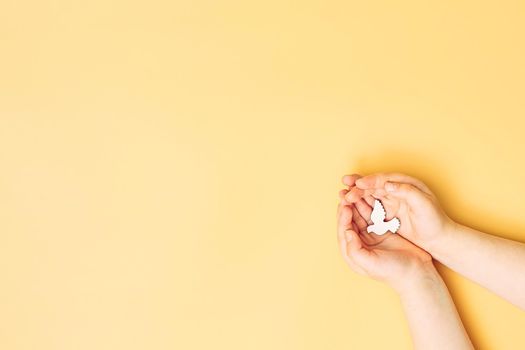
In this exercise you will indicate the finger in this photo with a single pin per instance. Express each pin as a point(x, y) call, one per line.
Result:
point(344, 221)
point(405, 191)
point(379, 180)
point(354, 194)
point(341, 204)
point(364, 210)
point(378, 193)
point(369, 200)
point(349, 180)
point(359, 220)
point(357, 193)
point(354, 227)
point(342, 194)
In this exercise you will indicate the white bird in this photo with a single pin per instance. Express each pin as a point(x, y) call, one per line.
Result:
point(380, 226)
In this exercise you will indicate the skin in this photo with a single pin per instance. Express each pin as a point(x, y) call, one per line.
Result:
point(493, 262)
point(432, 317)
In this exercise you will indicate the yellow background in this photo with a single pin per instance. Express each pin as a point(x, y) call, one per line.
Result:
point(169, 169)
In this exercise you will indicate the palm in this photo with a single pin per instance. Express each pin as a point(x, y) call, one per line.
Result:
point(393, 253)
point(387, 257)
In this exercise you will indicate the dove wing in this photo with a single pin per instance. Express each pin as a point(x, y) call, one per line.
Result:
point(378, 214)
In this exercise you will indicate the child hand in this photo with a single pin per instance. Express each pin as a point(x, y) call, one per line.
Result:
point(389, 258)
point(422, 220)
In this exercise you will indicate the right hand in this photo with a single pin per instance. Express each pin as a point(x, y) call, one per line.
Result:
point(423, 221)
point(389, 258)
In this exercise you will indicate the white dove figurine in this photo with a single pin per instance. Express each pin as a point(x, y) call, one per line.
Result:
point(380, 226)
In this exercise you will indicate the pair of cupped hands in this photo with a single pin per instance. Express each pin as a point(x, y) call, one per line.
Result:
point(392, 257)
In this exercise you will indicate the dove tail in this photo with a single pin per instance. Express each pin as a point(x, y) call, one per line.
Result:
point(394, 225)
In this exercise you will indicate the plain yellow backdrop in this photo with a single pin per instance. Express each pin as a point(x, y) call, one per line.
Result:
point(170, 169)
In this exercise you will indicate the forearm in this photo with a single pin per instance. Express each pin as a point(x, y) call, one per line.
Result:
point(431, 314)
point(495, 263)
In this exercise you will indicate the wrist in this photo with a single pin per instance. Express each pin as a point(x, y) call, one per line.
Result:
point(420, 277)
point(438, 244)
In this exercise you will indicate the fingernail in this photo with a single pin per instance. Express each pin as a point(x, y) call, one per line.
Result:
point(390, 187)
point(359, 182)
point(348, 236)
